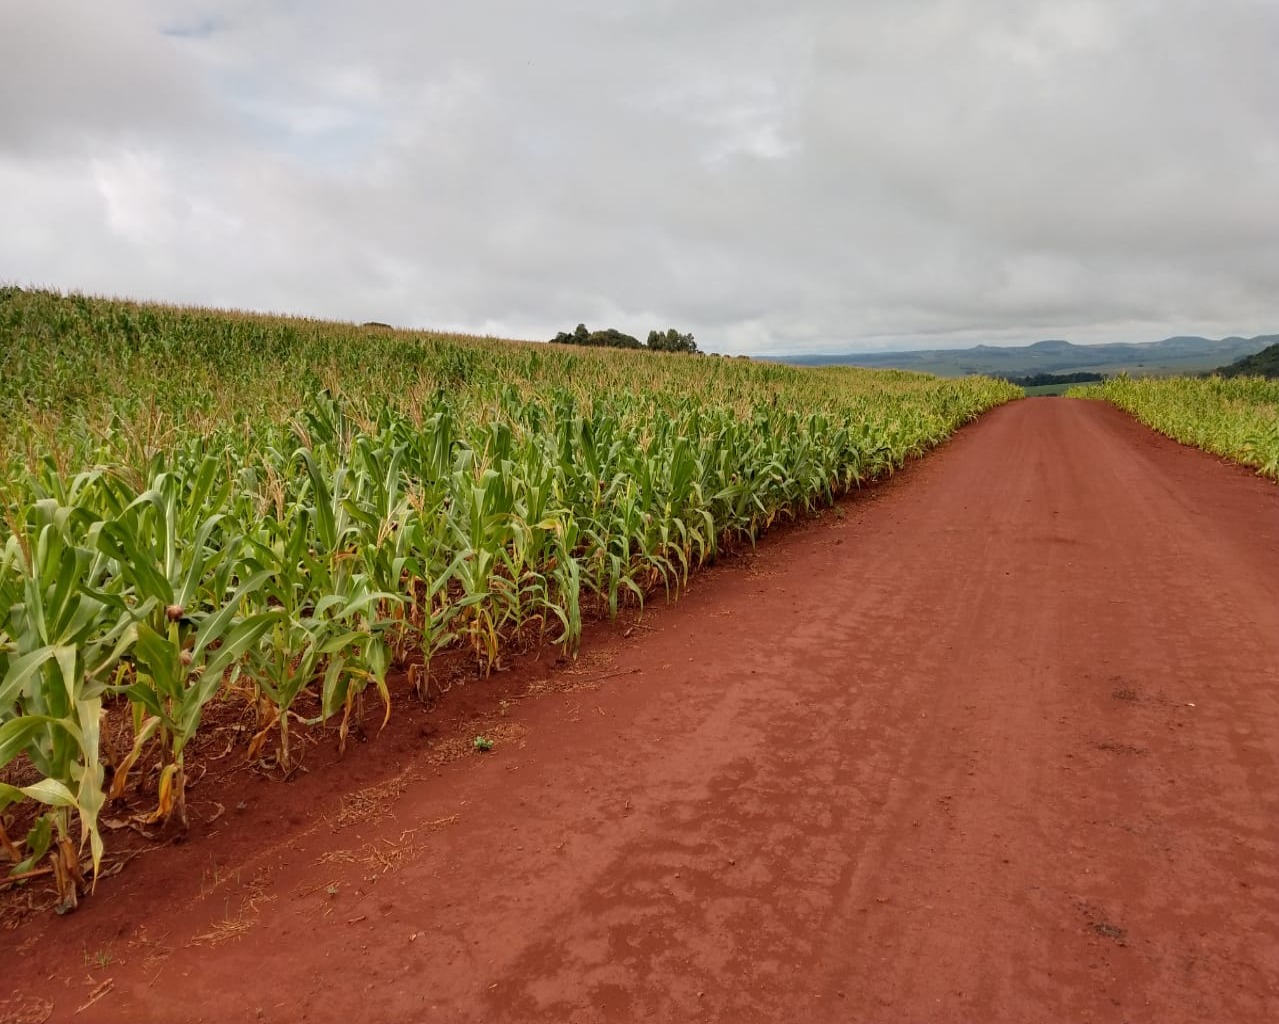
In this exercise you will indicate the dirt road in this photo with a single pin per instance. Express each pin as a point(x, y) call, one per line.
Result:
point(997, 742)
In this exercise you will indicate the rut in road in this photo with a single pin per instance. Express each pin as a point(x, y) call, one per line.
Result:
point(997, 744)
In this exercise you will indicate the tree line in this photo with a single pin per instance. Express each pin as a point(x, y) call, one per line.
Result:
point(658, 341)
point(1039, 380)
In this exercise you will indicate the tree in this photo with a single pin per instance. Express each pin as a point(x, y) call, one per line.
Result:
point(658, 341)
point(671, 341)
point(610, 338)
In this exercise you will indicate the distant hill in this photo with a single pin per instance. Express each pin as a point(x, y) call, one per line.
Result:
point(1172, 355)
point(1262, 364)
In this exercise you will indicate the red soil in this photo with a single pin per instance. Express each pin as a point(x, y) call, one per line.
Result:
point(996, 742)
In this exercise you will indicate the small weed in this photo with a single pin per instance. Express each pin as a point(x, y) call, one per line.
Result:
point(101, 959)
point(1119, 748)
point(1110, 931)
point(482, 744)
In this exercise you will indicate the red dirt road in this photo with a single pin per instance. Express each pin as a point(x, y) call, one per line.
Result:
point(997, 744)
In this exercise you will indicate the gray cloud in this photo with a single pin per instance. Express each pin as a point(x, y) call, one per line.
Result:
point(833, 176)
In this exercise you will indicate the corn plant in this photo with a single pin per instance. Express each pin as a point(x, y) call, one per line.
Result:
point(201, 505)
point(1237, 418)
point(64, 635)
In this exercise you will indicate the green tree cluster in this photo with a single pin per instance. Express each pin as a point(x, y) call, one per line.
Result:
point(671, 341)
point(610, 338)
point(1039, 380)
point(658, 341)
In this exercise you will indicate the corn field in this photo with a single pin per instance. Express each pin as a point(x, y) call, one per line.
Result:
point(288, 514)
point(1237, 418)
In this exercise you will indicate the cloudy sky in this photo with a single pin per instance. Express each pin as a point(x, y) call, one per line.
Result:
point(818, 175)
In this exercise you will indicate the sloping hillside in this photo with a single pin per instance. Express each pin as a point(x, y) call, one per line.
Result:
point(1262, 364)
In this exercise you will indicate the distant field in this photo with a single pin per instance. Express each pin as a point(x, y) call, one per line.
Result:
point(1056, 389)
point(1188, 367)
point(205, 506)
point(1160, 367)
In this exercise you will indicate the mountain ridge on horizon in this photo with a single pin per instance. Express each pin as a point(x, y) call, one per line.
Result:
point(1177, 354)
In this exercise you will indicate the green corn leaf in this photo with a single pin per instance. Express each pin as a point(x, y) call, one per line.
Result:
point(17, 733)
point(21, 670)
point(51, 792)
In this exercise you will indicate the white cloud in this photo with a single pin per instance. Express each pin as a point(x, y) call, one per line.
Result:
point(826, 176)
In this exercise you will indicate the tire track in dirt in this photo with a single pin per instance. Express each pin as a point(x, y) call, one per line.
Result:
point(996, 742)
